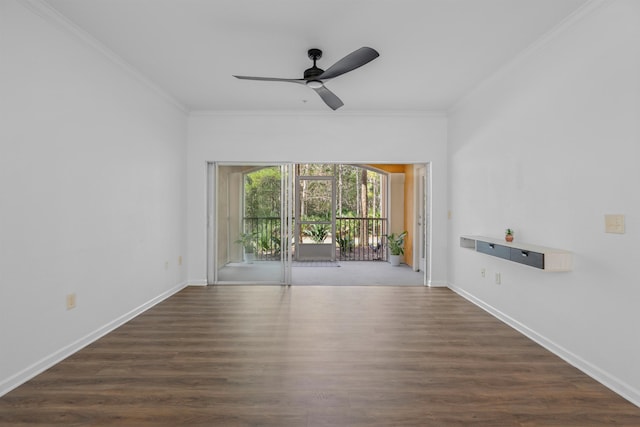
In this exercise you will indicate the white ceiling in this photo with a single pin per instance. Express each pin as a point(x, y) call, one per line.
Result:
point(432, 52)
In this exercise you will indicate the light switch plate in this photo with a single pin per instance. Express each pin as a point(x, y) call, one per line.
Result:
point(614, 223)
point(71, 301)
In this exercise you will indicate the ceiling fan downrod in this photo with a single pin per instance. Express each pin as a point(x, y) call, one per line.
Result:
point(314, 55)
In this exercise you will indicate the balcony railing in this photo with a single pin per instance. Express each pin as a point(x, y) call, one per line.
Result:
point(267, 236)
point(357, 239)
point(361, 239)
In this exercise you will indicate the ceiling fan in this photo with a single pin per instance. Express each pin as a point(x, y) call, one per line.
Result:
point(315, 77)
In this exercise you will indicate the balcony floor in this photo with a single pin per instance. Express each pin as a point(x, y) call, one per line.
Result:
point(349, 273)
point(358, 273)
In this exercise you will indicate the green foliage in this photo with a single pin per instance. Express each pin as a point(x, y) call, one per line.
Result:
point(396, 243)
point(262, 199)
point(348, 197)
point(264, 242)
point(248, 242)
point(346, 213)
point(276, 244)
point(269, 244)
point(344, 239)
point(262, 193)
point(317, 232)
point(345, 243)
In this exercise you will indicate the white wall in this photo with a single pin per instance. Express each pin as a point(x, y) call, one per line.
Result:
point(331, 137)
point(92, 179)
point(548, 148)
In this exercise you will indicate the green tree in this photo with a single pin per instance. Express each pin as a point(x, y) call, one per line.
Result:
point(262, 192)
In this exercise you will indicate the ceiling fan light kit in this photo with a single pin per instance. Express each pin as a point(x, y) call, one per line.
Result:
point(314, 84)
point(315, 77)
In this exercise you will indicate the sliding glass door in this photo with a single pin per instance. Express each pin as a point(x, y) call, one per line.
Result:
point(250, 223)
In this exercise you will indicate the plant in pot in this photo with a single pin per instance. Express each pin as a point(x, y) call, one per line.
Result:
point(317, 232)
point(508, 235)
point(396, 247)
point(248, 242)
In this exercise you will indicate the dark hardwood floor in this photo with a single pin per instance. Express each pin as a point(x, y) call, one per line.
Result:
point(315, 356)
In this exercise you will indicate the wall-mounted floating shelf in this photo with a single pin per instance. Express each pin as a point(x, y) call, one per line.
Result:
point(547, 259)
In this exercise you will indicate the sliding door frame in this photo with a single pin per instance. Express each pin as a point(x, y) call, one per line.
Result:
point(287, 215)
point(214, 219)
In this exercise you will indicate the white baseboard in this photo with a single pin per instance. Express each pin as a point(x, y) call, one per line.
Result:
point(615, 384)
point(438, 284)
point(42, 365)
point(199, 282)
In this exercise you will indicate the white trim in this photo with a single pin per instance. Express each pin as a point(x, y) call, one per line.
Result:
point(580, 13)
point(45, 363)
point(419, 237)
point(49, 13)
point(615, 384)
point(210, 229)
point(199, 282)
point(285, 113)
point(438, 284)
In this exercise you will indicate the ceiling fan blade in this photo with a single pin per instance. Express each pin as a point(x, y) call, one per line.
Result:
point(329, 97)
point(271, 79)
point(355, 59)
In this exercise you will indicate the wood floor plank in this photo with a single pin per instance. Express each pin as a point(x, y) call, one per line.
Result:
point(314, 356)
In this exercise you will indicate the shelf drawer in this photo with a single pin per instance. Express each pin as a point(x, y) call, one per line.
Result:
point(493, 249)
point(534, 259)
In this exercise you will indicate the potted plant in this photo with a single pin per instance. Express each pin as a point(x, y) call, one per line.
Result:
point(313, 246)
point(317, 232)
point(248, 242)
point(396, 247)
point(508, 235)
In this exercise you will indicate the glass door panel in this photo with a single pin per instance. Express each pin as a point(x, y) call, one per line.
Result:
point(251, 224)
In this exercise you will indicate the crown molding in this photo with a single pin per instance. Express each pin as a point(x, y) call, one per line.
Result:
point(332, 114)
point(53, 16)
point(583, 11)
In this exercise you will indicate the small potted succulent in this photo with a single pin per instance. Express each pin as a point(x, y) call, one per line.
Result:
point(508, 235)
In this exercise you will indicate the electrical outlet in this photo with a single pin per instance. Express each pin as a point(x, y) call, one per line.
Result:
point(483, 272)
point(71, 301)
point(498, 279)
point(180, 260)
point(166, 265)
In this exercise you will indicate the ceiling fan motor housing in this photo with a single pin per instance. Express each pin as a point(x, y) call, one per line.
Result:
point(312, 72)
